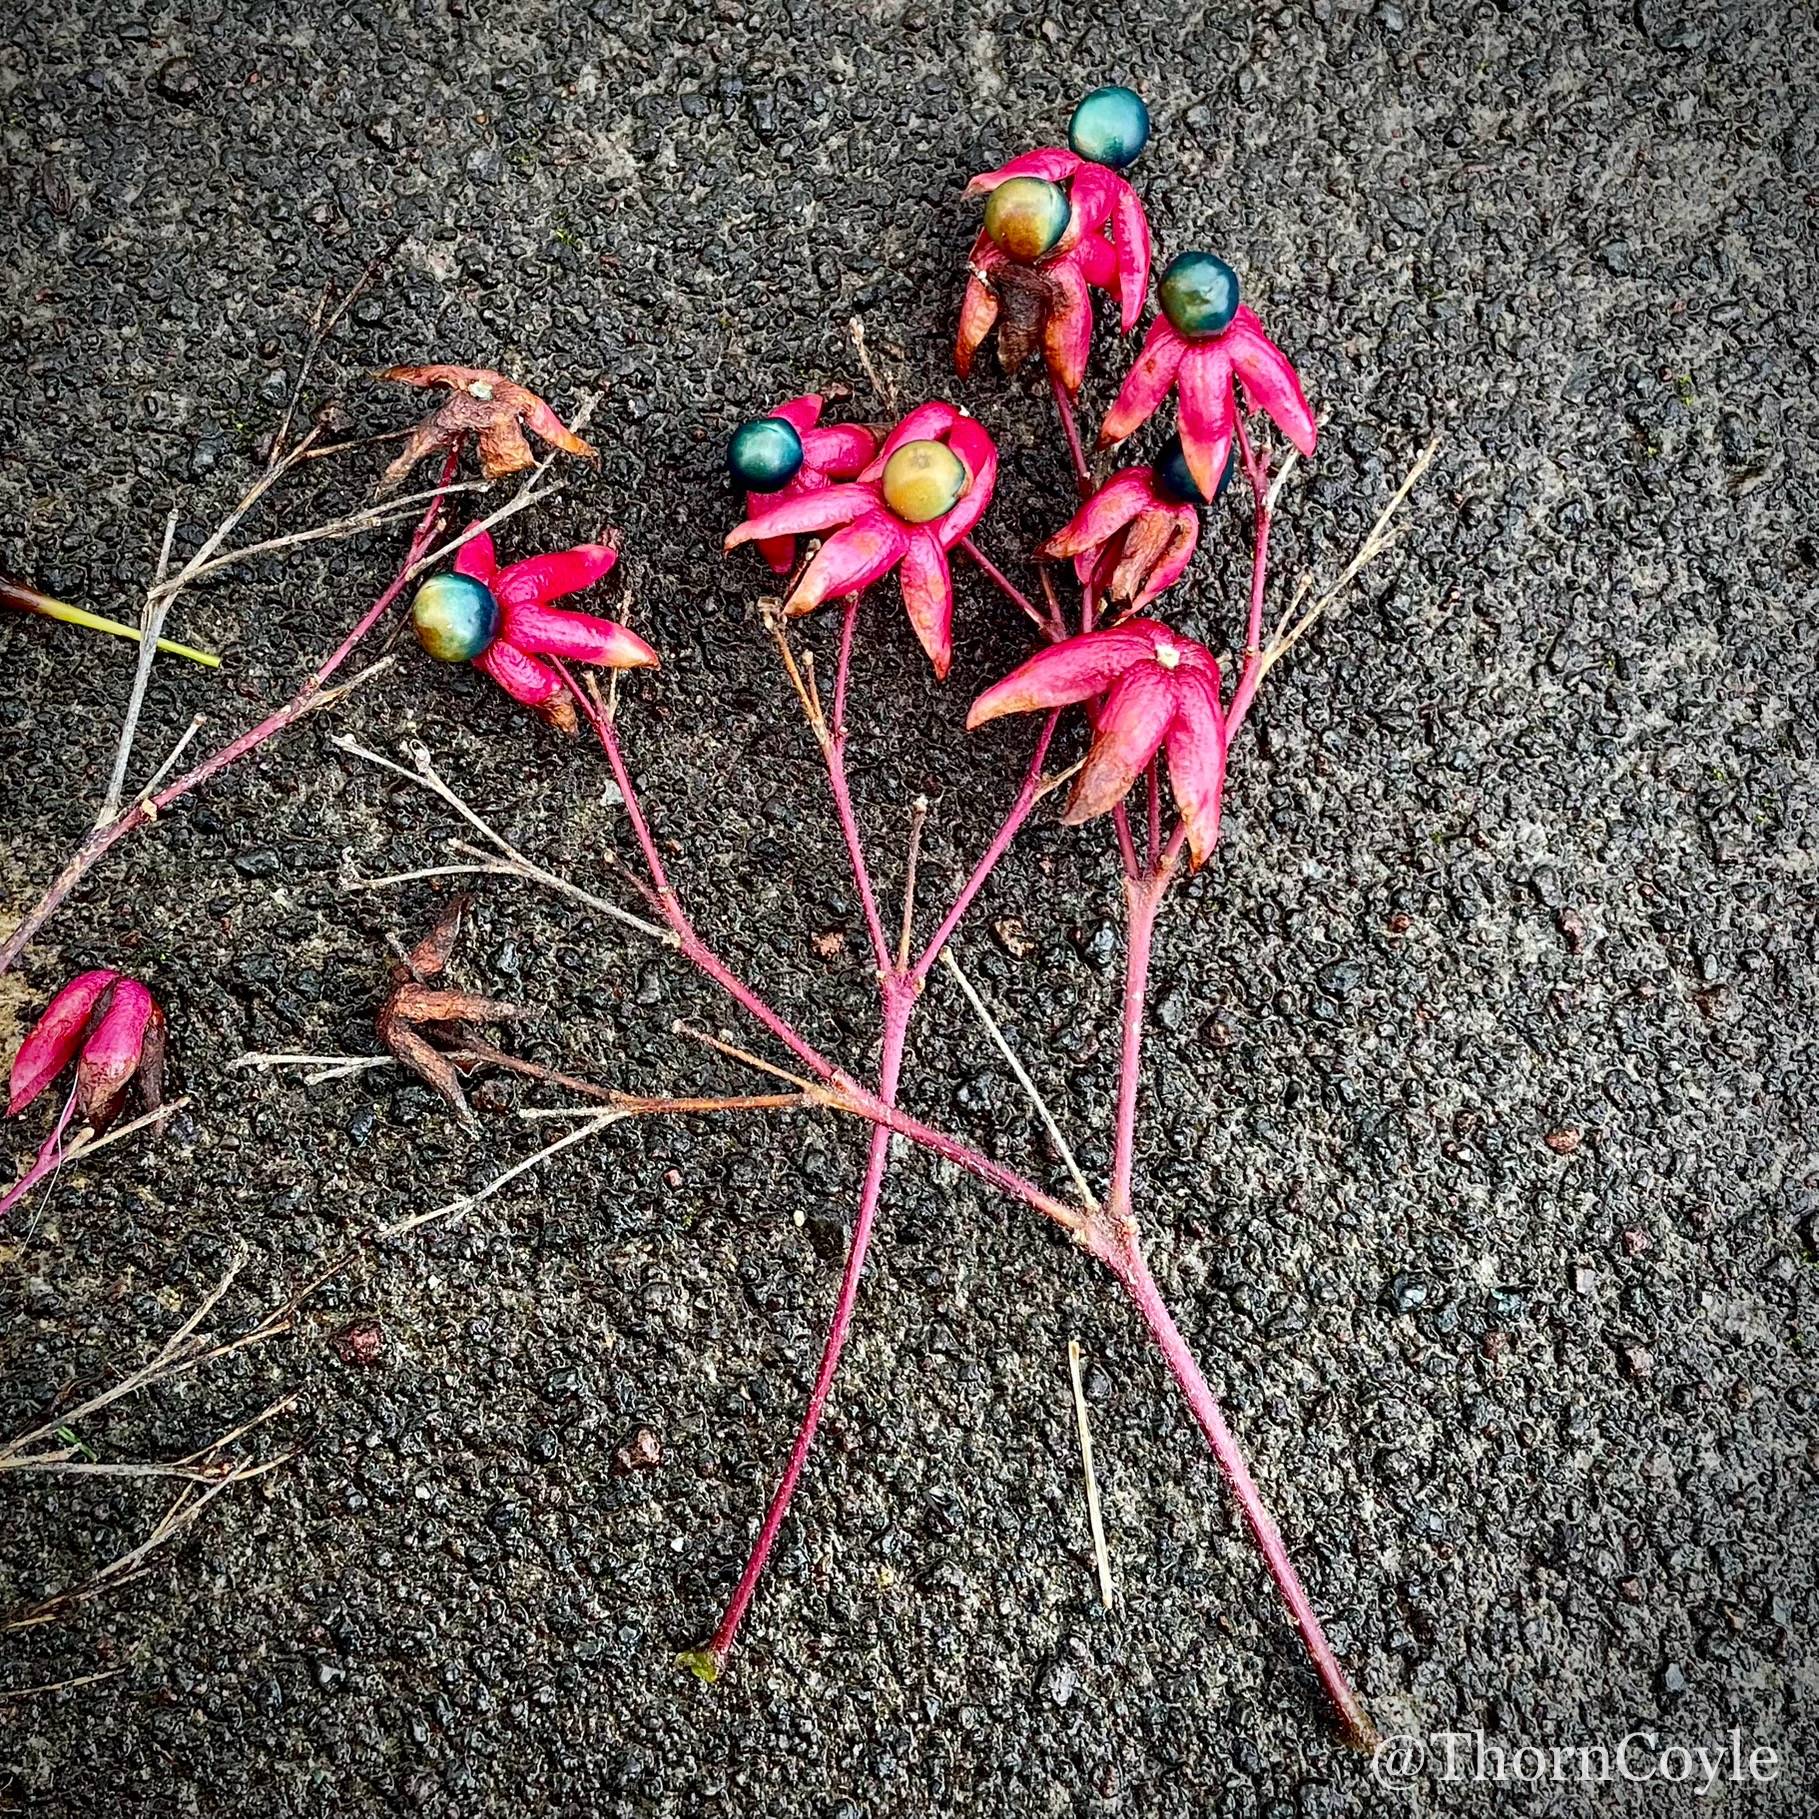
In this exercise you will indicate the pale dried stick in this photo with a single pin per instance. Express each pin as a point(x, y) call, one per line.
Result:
point(1093, 1516)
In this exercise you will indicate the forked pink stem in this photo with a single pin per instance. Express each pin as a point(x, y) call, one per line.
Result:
point(142, 814)
point(833, 749)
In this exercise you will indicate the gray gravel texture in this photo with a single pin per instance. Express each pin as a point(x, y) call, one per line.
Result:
point(1522, 846)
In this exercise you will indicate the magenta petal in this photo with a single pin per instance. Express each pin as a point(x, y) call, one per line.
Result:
point(1174, 558)
point(1074, 670)
point(1196, 762)
point(545, 631)
point(1098, 262)
point(1208, 413)
point(924, 424)
point(476, 558)
point(1055, 162)
point(1126, 736)
point(928, 594)
point(801, 414)
point(849, 560)
point(1129, 491)
point(1091, 196)
point(54, 1038)
point(110, 1056)
point(540, 578)
point(1270, 381)
point(818, 510)
point(522, 677)
point(839, 451)
point(1146, 385)
point(979, 455)
point(1067, 336)
point(1131, 234)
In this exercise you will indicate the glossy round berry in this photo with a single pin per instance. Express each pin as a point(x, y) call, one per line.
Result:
point(1026, 217)
point(1174, 482)
point(1199, 294)
point(922, 480)
point(455, 617)
point(1111, 126)
point(764, 454)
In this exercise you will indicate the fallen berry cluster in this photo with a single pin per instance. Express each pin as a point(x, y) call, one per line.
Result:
point(872, 502)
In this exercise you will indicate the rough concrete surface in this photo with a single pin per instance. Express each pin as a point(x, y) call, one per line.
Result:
point(1522, 848)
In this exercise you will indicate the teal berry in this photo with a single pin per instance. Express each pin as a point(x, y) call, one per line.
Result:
point(455, 617)
point(1175, 483)
point(1199, 294)
point(764, 454)
point(1111, 126)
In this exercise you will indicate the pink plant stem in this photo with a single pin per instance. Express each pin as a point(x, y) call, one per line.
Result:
point(1126, 1261)
point(848, 1094)
point(1127, 849)
point(1256, 468)
point(1143, 896)
point(50, 1157)
point(833, 749)
point(994, 852)
point(142, 814)
point(1043, 620)
point(899, 1003)
point(1070, 428)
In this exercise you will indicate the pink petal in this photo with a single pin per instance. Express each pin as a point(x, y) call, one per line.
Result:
point(839, 451)
point(1131, 234)
point(522, 677)
point(1097, 261)
point(1055, 162)
point(1129, 730)
point(780, 552)
point(1177, 554)
point(928, 594)
point(979, 455)
point(978, 311)
point(1074, 670)
point(540, 578)
point(110, 1056)
point(1208, 413)
point(849, 560)
point(1067, 335)
point(817, 510)
point(801, 414)
point(1091, 194)
point(476, 558)
point(1196, 762)
point(1270, 381)
point(924, 424)
point(1128, 492)
point(1142, 547)
point(1147, 383)
point(54, 1038)
point(546, 631)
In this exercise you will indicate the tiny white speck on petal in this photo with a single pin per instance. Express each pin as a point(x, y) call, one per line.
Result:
point(1167, 655)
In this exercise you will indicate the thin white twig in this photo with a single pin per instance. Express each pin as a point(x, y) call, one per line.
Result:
point(143, 799)
point(1093, 1516)
point(467, 1201)
point(426, 776)
point(1085, 1193)
point(151, 629)
point(1295, 623)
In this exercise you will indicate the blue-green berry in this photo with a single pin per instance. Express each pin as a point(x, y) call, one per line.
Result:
point(1174, 481)
point(455, 617)
point(764, 454)
point(1111, 126)
point(1199, 294)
